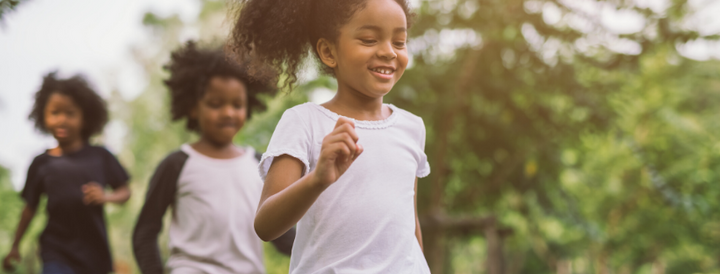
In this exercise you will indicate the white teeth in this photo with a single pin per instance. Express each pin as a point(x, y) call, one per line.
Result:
point(383, 71)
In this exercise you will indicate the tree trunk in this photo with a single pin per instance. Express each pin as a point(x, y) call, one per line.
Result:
point(495, 258)
point(435, 239)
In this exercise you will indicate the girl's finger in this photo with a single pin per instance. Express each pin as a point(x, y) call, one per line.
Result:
point(359, 150)
point(343, 138)
point(345, 129)
point(342, 121)
point(339, 150)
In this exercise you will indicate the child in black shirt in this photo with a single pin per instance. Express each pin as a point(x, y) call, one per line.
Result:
point(73, 176)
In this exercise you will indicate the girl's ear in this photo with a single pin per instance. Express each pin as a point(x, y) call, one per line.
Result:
point(327, 52)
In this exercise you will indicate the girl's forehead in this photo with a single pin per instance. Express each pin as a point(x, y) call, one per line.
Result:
point(58, 99)
point(384, 14)
point(225, 86)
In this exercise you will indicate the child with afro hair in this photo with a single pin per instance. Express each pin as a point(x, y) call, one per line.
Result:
point(212, 184)
point(73, 176)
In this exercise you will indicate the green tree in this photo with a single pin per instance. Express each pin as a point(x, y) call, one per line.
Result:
point(511, 99)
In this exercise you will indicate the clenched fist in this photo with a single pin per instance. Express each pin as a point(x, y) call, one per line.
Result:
point(339, 150)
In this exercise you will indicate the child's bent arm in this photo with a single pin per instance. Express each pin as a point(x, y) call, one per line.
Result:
point(285, 198)
point(119, 195)
point(284, 243)
point(94, 194)
point(25, 218)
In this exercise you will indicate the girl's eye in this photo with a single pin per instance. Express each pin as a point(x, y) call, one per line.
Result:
point(367, 41)
point(215, 104)
point(399, 44)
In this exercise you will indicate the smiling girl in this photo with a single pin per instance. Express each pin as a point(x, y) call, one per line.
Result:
point(344, 171)
point(73, 176)
point(212, 185)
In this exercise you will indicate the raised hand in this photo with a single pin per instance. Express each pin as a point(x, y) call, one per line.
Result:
point(339, 150)
point(94, 194)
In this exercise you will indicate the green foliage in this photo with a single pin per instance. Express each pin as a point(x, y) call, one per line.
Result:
point(12, 206)
point(7, 6)
point(591, 156)
point(595, 158)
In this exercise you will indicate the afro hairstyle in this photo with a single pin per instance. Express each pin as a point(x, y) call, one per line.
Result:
point(191, 68)
point(93, 107)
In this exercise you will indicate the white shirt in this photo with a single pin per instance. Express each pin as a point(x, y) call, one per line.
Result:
point(364, 222)
point(212, 227)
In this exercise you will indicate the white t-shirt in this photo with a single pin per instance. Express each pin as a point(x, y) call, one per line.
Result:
point(212, 227)
point(364, 222)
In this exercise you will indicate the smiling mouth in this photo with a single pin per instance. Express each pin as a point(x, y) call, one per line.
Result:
point(384, 71)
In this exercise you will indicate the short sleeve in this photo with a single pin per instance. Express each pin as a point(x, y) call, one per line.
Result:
point(423, 165)
point(33, 184)
point(115, 174)
point(292, 136)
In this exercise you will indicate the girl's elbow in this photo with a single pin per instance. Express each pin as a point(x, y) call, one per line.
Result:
point(262, 232)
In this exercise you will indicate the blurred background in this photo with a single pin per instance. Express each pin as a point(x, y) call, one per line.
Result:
point(565, 136)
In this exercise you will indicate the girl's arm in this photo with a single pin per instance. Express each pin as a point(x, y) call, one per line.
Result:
point(418, 232)
point(25, 218)
point(95, 194)
point(119, 195)
point(287, 195)
point(284, 243)
point(160, 195)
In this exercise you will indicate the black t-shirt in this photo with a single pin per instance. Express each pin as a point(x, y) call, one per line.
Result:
point(75, 232)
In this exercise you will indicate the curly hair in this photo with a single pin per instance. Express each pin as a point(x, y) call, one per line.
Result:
point(280, 33)
point(94, 110)
point(191, 69)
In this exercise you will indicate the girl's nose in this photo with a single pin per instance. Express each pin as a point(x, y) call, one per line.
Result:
point(228, 111)
point(386, 51)
point(61, 119)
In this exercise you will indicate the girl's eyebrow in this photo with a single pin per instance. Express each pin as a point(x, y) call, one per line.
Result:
point(379, 29)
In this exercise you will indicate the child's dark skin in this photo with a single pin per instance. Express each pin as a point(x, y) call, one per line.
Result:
point(220, 113)
point(64, 120)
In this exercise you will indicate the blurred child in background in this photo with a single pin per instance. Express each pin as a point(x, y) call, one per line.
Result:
point(73, 176)
point(212, 184)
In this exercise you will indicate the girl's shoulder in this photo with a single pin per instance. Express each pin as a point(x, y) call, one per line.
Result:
point(39, 160)
point(302, 115)
point(174, 160)
point(406, 114)
point(408, 119)
point(302, 110)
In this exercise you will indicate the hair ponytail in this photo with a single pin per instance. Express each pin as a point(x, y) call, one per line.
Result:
point(280, 33)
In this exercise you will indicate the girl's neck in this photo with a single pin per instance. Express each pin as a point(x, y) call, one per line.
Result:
point(67, 147)
point(353, 104)
point(216, 150)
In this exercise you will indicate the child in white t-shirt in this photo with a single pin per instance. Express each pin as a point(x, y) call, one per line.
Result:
point(345, 171)
point(212, 185)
